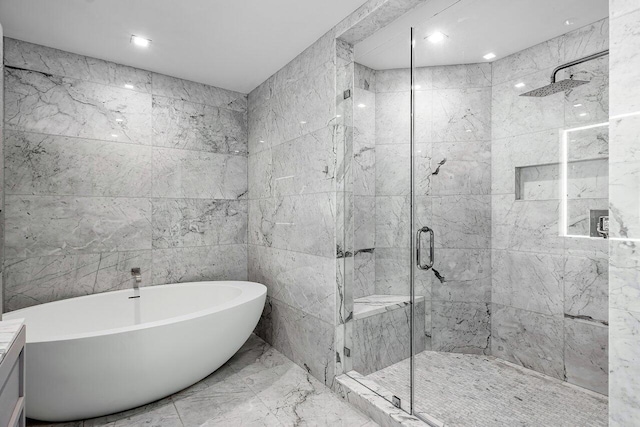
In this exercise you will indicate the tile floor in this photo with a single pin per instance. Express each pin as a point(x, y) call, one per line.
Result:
point(463, 390)
point(257, 387)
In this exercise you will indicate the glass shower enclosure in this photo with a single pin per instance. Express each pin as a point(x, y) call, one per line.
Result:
point(479, 209)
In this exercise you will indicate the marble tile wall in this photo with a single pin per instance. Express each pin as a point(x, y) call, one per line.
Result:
point(624, 205)
point(453, 154)
point(1, 174)
point(549, 292)
point(101, 178)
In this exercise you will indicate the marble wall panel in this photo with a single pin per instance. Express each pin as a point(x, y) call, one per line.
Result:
point(462, 275)
point(624, 359)
point(396, 80)
point(393, 118)
point(392, 271)
point(586, 285)
point(464, 168)
point(461, 221)
point(194, 264)
point(197, 174)
point(189, 126)
point(461, 327)
point(624, 275)
point(625, 60)
point(29, 56)
point(528, 281)
point(198, 222)
point(462, 76)
point(302, 281)
point(392, 219)
point(364, 280)
point(540, 57)
point(532, 340)
point(303, 338)
point(586, 354)
point(364, 222)
point(461, 114)
point(44, 103)
point(48, 164)
point(56, 225)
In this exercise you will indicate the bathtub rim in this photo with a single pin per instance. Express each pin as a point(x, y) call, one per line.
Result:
point(247, 294)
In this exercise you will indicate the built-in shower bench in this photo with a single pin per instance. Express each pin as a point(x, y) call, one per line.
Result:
point(376, 304)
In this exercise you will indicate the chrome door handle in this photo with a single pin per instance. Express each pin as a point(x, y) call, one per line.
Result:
point(419, 248)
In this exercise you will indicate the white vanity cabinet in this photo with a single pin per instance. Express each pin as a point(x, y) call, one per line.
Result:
point(12, 403)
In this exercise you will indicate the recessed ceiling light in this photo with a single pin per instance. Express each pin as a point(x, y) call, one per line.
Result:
point(489, 56)
point(128, 86)
point(338, 115)
point(519, 85)
point(113, 135)
point(303, 122)
point(468, 130)
point(569, 22)
point(261, 141)
point(577, 105)
point(119, 120)
point(418, 86)
point(436, 37)
point(361, 105)
point(582, 114)
point(140, 41)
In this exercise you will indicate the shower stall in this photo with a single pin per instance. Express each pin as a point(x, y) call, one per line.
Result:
point(475, 209)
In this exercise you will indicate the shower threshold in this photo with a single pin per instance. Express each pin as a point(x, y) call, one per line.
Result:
point(461, 390)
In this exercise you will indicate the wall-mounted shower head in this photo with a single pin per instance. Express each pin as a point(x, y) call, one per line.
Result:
point(556, 87)
point(566, 84)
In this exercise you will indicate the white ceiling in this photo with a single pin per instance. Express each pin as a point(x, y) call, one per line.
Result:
point(474, 28)
point(233, 44)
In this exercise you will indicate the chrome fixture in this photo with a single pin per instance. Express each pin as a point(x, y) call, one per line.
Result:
point(419, 247)
point(566, 84)
point(137, 276)
point(599, 223)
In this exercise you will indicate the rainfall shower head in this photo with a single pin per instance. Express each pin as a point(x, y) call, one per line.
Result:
point(555, 87)
point(566, 84)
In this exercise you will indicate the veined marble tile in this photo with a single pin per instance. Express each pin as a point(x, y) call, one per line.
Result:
point(49, 165)
point(578, 215)
point(176, 265)
point(306, 164)
point(461, 221)
point(461, 76)
point(585, 354)
point(539, 148)
point(624, 62)
point(365, 77)
point(392, 170)
point(392, 271)
point(624, 279)
point(462, 168)
point(57, 225)
point(586, 285)
point(529, 339)
point(46, 60)
point(305, 282)
point(298, 108)
point(364, 222)
point(525, 225)
point(396, 80)
point(306, 340)
point(260, 175)
point(461, 327)
point(584, 41)
point(39, 102)
point(528, 281)
point(364, 274)
point(185, 125)
point(624, 199)
point(186, 90)
point(461, 114)
point(512, 114)
point(463, 275)
point(384, 339)
point(198, 222)
point(548, 54)
point(624, 368)
point(593, 97)
point(195, 174)
point(32, 281)
point(424, 112)
point(372, 305)
point(162, 412)
point(364, 163)
point(620, 7)
point(624, 131)
point(586, 144)
point(392, 219)
point(280, 222)
point(393, 118)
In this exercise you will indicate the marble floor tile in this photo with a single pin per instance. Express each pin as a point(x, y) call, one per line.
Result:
point(257, 387)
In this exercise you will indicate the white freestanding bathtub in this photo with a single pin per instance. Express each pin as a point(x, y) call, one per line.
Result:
point(105, 353)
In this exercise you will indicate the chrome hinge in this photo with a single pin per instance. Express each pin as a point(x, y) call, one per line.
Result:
point(396, 401)
point(347, 352)
point(347, 94)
